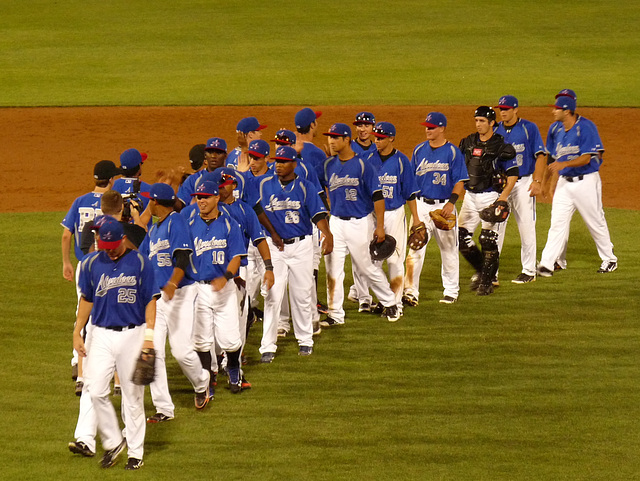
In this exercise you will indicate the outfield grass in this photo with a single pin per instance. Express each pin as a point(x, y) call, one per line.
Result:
point(136, 52)
point(537, 381)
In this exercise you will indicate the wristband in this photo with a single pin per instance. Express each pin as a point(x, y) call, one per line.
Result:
point(453, 199)
point(148, 334)
point(268, 265)
point(228, 275)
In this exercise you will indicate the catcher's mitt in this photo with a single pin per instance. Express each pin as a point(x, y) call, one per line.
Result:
point(418, 237)
point(382, 250)
point(441, 221)
point(145, 368)
point(496, 212)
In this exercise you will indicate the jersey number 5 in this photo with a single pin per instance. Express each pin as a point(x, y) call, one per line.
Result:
point(164, 259)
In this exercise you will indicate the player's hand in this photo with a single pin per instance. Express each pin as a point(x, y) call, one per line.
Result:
point(147, 345)
point(169, 290)
point(277, 241)
point(555, 167)
point(535, 189)
point(446, 210)
point(78, 344)
point(268, 280)
point(327, 244)
point(378, 234)
point(67, 272)
point(218, 283)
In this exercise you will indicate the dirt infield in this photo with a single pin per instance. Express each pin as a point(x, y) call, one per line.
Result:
point(48, 153)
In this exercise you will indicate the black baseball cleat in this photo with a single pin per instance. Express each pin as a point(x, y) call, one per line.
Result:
point(322, 308)
point(78, 447)
point(74, 372)
point(409, 300)
point(133, 464)
point(159, 418)
point(448, 300)
point(391, 313)
point(484, 290)
point(607, 267)
point(79, 386)
point(110, 457)
point(377, 308)
point(202, 399)
point(524, 279)
point(544, 272)
point(235, 382)
point(558, 267)
point(329, 321)
point(267, 357)
point(305, 351)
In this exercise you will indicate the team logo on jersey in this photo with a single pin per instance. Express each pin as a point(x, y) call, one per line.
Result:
point(208, 245)
point(425, 166)
point(519, 147)
point(477, 152)
point(335, 182)
point(388, 179)
point(155, 247)
point(567, 150)
point(282, 204)
point(106, 283)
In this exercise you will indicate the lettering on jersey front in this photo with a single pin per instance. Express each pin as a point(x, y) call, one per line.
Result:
point(335, 181)
point(388, 179)
point(567, 150)
point(87, 214)
point(155, 247)
point(208, 245)
point(425, 166)
point(282, 204)
point(106, 283)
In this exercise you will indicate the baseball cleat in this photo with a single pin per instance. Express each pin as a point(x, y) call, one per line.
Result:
point(117, 390)
point(524, 279)
point(267, 357)
point(202, 399)
point(245, 384)
point(495, 282)
point(305, 351)
point(158, 418)
point(377, 308)
point(133, 464)
point(484, 290)
point(364, 307)
point(282, 333)
point(329, 321)
point(110, 457)
point(391, 313)
point(475, 281)
point(448, 300)
point(544, 272)
point(559, 267)
point(317, 329)
point(79, 386)
point(607, 267)
point(78, 447)
point(235, 383)
point(74, 372)
point(322, 308)
point(409, 300)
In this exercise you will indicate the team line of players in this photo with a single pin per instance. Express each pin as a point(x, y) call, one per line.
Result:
point(248, 223)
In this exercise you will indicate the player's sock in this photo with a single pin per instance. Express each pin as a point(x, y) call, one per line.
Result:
point(205, 360)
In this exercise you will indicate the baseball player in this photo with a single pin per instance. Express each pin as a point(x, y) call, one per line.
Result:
point(531, 160)
point(130, 185)
point(363, 144)
point(577, 162)
point(291, 204)
point(119, 292)
point(82, 212)
point(486, 154)
point(440, 173)
point(169, 248)
point(247, 130)
point(215, 155)
point(354, 193)
point(306, 122)
point(218, 248)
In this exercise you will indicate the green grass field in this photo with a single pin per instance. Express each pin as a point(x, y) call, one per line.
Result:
point(538, 381)
point(288, 53)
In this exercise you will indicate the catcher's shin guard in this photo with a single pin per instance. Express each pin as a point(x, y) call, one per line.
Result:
point(490, 254)
point(468, 249)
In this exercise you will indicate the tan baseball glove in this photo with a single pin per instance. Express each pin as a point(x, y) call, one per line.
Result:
point(441, 221)
point(418, 237)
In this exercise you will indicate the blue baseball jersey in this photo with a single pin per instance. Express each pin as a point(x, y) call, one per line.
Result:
point(83, 211)
point(361, 151)
point(233, 158)
point(556, 131)
point(248, 221)
point(397, 178)
point(190, 211)
point(252, 182)
point(215, 245)
point(581, 139)
point(314, 157)
point(290, 207)
point(526, 140)
point(351, 186)
point(164, 239)
point(189, 186)
point(124, 185)
point(120, 290)
point(438, 170)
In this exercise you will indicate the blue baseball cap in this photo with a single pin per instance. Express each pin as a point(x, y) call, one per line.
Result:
point(284, 137)
point(222, 176)
point(216, 143)
point(110, 234)
point(305, 117)
point(249, 124)
point(565, 103)
point(130, 159)
point(435, 119)
point(507, 102)
point(284, 153)
point(207, 188)
point(160, 191)
point(383, 130)
point(259, 148)
point(567, 93)
point(364, 118)
point(339, 130)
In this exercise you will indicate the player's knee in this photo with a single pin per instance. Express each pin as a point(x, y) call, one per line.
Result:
point(489, 240)
point(465, 240)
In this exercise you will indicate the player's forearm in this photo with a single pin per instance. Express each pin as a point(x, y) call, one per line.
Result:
point(511, 182)
point(84, 311)
point(541, 164)
point(150, 314)
point(323, 226)
point(413, 208)
point(176, 276)
point(66, 247)
point(263, 249)
point(578, 161)
point(379, 209)
point(143, 219)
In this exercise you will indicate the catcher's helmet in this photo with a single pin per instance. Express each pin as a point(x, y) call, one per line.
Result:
point(486, 112)
point(382, 250)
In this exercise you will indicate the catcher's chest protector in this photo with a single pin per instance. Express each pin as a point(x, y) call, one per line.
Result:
point(480, 158)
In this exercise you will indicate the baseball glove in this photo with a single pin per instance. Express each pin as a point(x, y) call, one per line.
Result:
point(496, 212)
point(382, 250)
point(145, 368)
point(418, 237)
point(441, 221)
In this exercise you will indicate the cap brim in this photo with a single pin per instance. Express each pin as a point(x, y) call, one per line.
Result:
point(366, 122)
point(262, 127)
point(285, 159)
point(556, 107)
point(257, 154)
point(281, 142)
point(381, 136)
point(109, 244)
point(565, 95)
point(226, 182)
point(505, 107)
point(318, 113)
point(332, 134)
point(144, 157)
point(146, 195)
point(216, 149)
point(429, 124)
point(203, 194)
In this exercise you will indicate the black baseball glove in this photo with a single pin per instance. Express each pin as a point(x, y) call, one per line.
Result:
point(145, 367)
point(382, 250)
point(496, 212)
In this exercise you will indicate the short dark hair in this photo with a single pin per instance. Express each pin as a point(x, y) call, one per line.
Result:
point(102, 182)
point(304, 130)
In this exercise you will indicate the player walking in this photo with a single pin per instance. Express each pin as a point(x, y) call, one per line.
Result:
point(577, 161)
point(486, 155)
point(247, 130)
point(291, 204)
point(119, 293)
point(215, 155)
point(440, 173)
point(354, 193)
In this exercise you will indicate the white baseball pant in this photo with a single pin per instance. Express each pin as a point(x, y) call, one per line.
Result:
point(217, 318)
